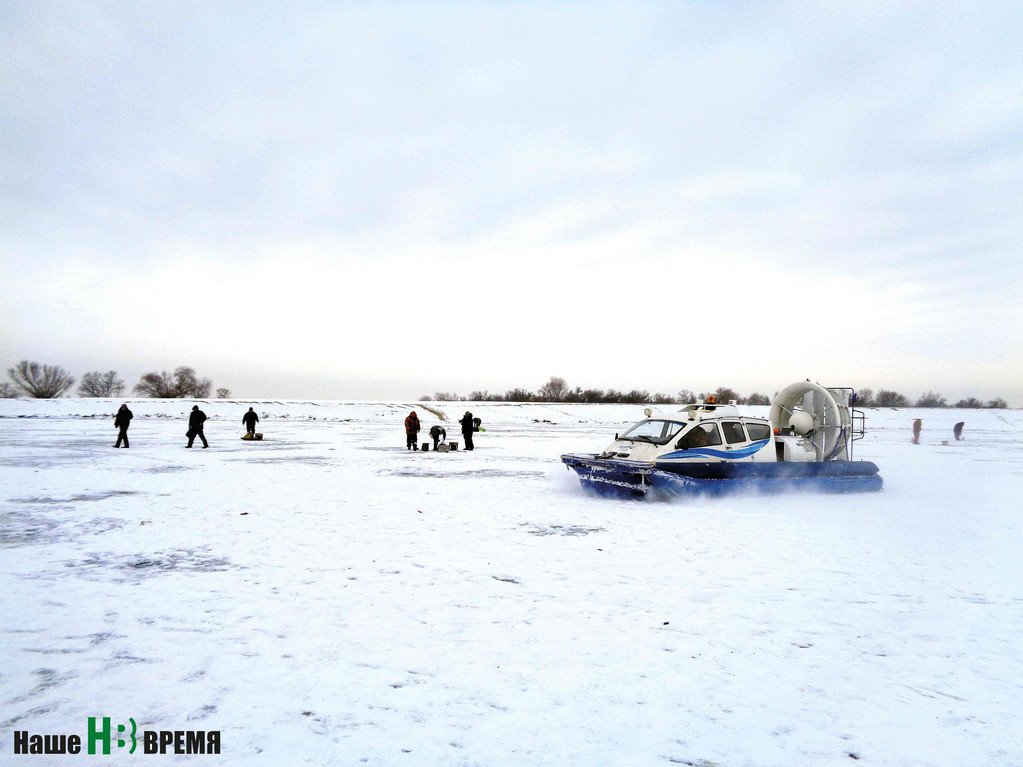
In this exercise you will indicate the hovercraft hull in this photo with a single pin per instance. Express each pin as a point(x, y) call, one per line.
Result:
point(610, 478)
point(637, 479)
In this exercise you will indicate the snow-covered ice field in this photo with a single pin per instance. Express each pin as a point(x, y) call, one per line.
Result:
point(326, 597)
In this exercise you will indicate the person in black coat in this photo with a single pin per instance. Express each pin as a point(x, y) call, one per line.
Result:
point(250, 420)
point(467, 429)
point(121, 421)
point(195, 421)
point(437, 433)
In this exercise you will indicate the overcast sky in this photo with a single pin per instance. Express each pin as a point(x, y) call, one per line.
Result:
point(367, 200)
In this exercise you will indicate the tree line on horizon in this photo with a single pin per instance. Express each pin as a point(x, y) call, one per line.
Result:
point(30, 379)
point(557, 390)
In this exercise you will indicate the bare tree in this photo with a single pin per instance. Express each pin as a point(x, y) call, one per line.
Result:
point(725, 394)
point(101, 385)
point(886, 398)
point(181, 383)
point(518, 394)
point(7, 391)
point(41, 381)
point(159, 385)
point(223, 393)
point(970, 402)
point(686, 397)
point(189, 385)
point(636, 396)
point(931, 399)
point(554, 390)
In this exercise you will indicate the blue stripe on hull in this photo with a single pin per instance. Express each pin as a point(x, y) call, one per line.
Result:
point(707, 452)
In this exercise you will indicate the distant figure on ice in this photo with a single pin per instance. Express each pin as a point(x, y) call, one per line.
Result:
point(412, 431)
point(122, 420)
point(195, 421)
point(957, 430)
point(250, 420)
point(917, 425)
point(467, 429)
point(437, 433)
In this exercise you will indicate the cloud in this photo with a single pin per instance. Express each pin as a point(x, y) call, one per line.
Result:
point(857, 166)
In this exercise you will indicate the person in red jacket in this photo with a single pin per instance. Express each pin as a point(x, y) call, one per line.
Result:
point(412, 431)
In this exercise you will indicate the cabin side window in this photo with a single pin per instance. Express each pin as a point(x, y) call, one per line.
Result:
point(758, 431)
point(701, 435)
point(733, 432)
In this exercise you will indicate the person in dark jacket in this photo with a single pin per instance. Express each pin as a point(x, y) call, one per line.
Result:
point(437, 433)
point(957, 430)
point(467, 429)
point(195, 421)
point(121, 421)
point(917, 426)
point(412, 431)
point(250, 420)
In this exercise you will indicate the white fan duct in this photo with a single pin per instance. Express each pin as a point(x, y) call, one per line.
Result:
point(816, 413)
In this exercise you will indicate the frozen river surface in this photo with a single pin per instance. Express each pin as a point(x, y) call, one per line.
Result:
point(325, 597)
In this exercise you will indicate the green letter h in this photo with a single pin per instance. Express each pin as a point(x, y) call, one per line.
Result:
point(102, 736)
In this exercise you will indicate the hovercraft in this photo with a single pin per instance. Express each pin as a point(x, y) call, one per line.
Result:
point(708, 448)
